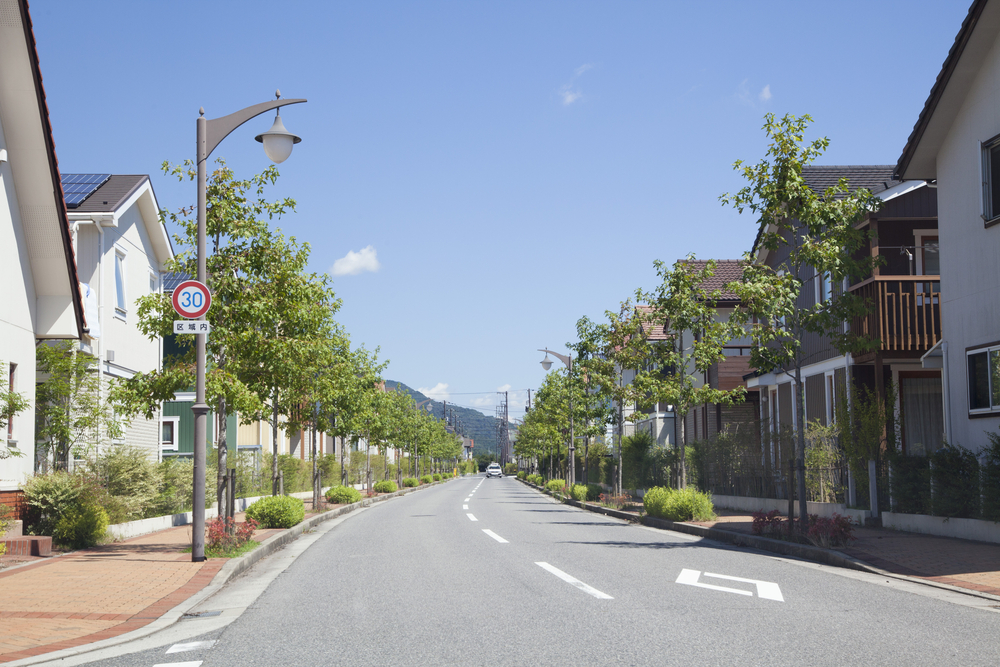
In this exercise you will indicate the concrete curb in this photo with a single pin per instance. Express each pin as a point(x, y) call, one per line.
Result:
point(803, 551)
point(232, 568)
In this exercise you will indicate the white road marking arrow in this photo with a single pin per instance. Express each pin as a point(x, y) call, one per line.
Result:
point(191, 646)
point(765, 589)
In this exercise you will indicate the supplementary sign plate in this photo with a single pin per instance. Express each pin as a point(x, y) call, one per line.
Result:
point(192, 327)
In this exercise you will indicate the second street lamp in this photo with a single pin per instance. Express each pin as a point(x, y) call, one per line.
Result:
point(546, 365)
point(278, 144)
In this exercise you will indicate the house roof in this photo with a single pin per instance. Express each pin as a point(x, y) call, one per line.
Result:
point(876, 178)
point(726, 271)
point(35, 169)
point(112, 194)
point(919, 157)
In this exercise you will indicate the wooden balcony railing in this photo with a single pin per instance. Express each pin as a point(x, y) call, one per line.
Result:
point(904, 312)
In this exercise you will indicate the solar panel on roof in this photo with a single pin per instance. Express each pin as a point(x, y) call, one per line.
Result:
point(77, 187)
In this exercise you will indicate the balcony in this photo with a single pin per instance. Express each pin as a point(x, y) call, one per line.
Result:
point(904, 313)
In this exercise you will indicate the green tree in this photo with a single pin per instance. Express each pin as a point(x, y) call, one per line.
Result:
point(686, 312)
point(272, 321)
point(814, 234)
point(71, 412)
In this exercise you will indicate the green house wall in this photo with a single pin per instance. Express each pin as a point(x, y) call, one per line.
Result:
point(185, 427)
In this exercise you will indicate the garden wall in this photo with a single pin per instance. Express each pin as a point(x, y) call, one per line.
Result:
point(745, 504)
point(966, 529)
point(123, 531)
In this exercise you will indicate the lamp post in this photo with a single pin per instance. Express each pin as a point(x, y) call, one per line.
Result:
point(278, 144)
point(546, 365)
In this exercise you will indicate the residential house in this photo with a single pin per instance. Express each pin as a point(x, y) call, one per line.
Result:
point(41, 298)
point(121, 251)
point(955, 145)
point(905, 315)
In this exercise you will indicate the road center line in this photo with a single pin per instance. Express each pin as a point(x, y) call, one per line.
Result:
point(465, 507)
point(466, 500)
point(495, 536)
point(574, 581)
point(471, 517)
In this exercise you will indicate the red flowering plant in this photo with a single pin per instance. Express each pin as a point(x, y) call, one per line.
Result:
point(767, 524)
point(224, 534)
point(835, 531)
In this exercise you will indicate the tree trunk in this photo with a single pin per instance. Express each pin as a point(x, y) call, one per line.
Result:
point(800, 449)
point(274, 446)
point(682, 445)
point(223, 467)
point(315, 479)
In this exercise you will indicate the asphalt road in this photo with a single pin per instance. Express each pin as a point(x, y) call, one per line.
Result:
point(489, 572)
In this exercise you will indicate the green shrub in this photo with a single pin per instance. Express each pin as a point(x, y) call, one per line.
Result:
point(409, 482)
point(437, 477)
point(127, 473)
point(521, 474)
point(991, 479)
point(446, 475)
point(343, 495)
point(385, 486)
point(679, 505)
point(6, 519)
point(510, 469)
point(536, 479)
point(955, 477)
point(910, 483)
point(556, 485)
point(594, 491)
point(426, 479)
point(176, 486)
point(81, 526)
point(277, 511)
point(579, 492)
point(47, 498)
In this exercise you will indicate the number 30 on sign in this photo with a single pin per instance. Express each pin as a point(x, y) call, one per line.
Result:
point(192, 299)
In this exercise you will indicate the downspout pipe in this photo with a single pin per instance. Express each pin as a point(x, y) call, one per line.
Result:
point(946, 393)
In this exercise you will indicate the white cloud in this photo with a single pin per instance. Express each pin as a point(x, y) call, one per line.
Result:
point(569, 93)
point(438, 392)
point(765, 93)
point(744, 96)
point(354, 263)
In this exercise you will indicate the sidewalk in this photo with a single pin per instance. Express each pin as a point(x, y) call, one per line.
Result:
point(973, 566)
point(50, 604)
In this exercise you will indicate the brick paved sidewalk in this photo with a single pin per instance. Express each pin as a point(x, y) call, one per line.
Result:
point(971, 565)
point(86, 596)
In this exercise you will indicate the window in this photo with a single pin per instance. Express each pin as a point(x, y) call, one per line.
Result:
point(11, 387)
point(168, 436)
point(120, 302)
point(984, 380)
point(991, 180)
point(824, 287)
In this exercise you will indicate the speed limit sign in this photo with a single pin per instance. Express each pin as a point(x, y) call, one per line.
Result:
point(192, 299)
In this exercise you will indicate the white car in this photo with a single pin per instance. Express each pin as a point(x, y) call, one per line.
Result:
point(494, 470)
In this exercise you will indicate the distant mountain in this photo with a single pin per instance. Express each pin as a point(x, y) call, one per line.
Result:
point(471, 423)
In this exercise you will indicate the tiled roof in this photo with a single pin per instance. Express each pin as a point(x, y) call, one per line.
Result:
point(726, 271)
point(876, 178)
point(112, 194)
point(653, 332)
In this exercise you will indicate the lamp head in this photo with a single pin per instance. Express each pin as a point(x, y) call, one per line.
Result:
point(278, 141)
point(546, 362)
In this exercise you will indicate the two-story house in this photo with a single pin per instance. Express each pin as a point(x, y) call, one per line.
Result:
point(904, 295)
point(121, 251)
point(955, 145)
point(41, 292)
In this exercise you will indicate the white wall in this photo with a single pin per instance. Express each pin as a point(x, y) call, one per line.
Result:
point(970, 254)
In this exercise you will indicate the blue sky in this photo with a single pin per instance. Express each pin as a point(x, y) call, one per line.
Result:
point(509, 166)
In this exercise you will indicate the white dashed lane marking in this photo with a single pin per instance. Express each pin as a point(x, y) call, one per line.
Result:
point(472, 517)
point(589, 590)
point(495, 536)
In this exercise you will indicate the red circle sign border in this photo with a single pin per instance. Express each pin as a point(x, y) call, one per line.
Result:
point(201, 311)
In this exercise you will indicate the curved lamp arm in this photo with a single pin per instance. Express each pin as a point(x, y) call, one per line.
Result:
point(561, 357)
point(218, 129)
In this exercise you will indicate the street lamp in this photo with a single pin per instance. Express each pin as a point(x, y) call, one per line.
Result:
point(278, 144)
point(546, 365)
